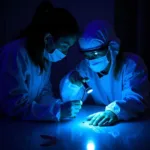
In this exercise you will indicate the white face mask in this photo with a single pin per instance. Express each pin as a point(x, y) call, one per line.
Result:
point(98, 64)
point(57, 55)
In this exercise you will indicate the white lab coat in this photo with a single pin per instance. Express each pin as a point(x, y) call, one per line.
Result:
point(24, 92)
point(129, 94)
point(126, 97)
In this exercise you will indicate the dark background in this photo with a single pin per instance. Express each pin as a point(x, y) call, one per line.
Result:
point(130, 19)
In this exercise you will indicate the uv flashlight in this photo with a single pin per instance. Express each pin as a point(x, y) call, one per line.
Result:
point(87, 88)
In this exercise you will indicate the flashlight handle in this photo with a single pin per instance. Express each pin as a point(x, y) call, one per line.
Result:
point(85, 84)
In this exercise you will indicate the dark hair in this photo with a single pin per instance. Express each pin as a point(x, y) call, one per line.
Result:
point(44, 6)
point(42, 9)
point(58, 22)
point(119, 63)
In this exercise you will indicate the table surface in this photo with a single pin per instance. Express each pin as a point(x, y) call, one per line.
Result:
point(76, 135)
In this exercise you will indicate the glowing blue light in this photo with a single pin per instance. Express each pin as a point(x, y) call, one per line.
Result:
point(90, 91)
point(95, 53)
point(90, 145)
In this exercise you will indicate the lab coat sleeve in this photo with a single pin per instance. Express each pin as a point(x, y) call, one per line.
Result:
point(14, 98)
point(69, 91)
point(46, 107)
point(46, 96)
point(135, 91)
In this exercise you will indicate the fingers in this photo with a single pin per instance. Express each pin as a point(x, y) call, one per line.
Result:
point(73, 112)
point(92, 120)
point(76, 107)
point(73, 103)
point(70, 113)
point(71, 108)
point(90, 116)
point(112, 121)
point(76, 102)
point(75, 78)
point(96, 119)
point(107, 122)
point(104, 121)
point(85, 80)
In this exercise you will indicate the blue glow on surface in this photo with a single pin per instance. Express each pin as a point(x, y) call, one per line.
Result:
point(90, 145)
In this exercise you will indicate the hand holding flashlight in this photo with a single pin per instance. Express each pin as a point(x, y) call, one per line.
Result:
point(76, 79)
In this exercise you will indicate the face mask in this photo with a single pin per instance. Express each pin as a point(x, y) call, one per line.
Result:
point(99, 64)
point(57, 55)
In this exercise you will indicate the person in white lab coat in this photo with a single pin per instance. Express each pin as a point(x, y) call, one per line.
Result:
point(25, 67)
point(119, 80)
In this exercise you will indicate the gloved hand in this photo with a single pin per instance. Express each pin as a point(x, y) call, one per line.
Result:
point(75, 78)
point(70, 109)
point(105, 118)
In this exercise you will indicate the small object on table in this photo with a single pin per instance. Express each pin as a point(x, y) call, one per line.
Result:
point(51, 140)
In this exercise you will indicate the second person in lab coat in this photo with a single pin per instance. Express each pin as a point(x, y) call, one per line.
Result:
point(25, 67)
point(119, 80)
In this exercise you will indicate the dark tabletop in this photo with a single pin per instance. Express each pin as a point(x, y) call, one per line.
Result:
point(76, 134)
